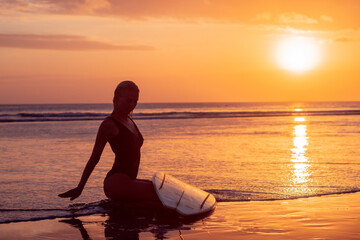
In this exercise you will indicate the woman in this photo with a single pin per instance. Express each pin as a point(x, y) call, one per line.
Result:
point(125, 140)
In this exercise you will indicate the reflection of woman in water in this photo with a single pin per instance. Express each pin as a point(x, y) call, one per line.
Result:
point(125, 140)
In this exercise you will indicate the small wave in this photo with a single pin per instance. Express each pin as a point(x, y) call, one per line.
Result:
point(65, 114)
point(45, 217)
point(224, 195)
point(240, 114)
point(82, 116)
point(74, 210)
point(31, 210)
point(47, 117)
point(104, 206)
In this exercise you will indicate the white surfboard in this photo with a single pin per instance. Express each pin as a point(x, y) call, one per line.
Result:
point(184, 198)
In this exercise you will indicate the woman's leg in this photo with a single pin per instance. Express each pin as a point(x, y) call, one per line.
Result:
point(120, 187)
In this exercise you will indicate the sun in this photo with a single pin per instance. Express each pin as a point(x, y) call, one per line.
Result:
point(298, 54)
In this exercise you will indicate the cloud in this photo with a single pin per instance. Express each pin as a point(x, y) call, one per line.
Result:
point(20, 6)
point(89, 7)
point(326, 19)
point(315, 14)
point(62, 42)
point(292, 17)
point(343, 39)
point(75, 6)
point(265, 16)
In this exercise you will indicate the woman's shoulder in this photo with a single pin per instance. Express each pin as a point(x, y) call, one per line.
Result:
point(109, 120)
point(109, 127)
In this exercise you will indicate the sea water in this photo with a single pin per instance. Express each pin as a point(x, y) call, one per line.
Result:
point(236, 151)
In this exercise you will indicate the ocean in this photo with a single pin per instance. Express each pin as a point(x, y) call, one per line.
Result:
point(236, 151)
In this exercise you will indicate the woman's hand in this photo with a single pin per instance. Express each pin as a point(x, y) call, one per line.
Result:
point(72, 194)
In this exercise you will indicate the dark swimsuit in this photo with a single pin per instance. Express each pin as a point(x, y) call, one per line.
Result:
point(126, 146)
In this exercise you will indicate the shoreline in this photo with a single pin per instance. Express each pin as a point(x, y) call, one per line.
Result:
point(323, 217)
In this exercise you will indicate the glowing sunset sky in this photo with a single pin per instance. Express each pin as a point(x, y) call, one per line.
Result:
point(76, 51)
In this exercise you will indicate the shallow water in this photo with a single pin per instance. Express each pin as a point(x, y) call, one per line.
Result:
point(235, 158)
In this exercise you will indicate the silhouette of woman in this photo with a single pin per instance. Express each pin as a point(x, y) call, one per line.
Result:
point(125, 140)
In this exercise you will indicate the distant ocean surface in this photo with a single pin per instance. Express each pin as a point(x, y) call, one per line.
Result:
point(81, 112)
point(237, 151)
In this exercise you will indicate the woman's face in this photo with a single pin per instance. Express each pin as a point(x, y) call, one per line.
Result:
point(126, 101)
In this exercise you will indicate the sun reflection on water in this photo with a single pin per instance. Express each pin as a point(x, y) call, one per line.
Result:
point(298, 157)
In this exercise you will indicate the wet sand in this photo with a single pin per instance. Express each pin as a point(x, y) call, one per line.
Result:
point(325, 217)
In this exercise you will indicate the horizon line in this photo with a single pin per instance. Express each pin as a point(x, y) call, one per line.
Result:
point(186, 102)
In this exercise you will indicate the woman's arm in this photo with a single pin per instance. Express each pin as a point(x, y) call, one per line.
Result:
point(105, 132)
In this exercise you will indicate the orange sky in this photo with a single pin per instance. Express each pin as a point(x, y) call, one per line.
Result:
point(76, 51)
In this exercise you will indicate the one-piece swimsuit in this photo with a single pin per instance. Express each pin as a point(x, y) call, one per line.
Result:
point(126, 146)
